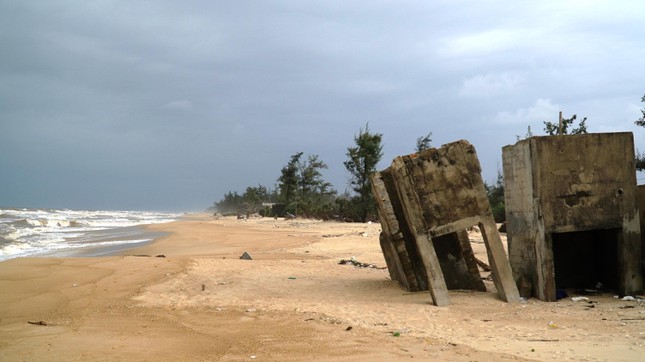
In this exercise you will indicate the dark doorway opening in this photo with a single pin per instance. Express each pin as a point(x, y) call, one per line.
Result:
point(583, 259)
point(457, 262)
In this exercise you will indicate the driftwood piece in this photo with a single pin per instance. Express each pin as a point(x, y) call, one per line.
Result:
point(484, 266)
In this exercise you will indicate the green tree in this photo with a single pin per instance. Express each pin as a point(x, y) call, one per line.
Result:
point(230, 204)
point(256, 195)
point(311, 179)
point(424, 142)
point(640, 157)
point(347, 207)
point(553, 128)
point(303, 188)
point(495, 193)
point(639, 161)
point(641, 121)
point(249, 202)
point(288, 180)
point(316, 195)
point(361, 163)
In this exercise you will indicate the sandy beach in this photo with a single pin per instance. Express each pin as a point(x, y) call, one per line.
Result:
point(189, 296)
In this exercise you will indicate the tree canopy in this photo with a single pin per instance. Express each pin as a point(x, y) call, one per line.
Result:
point(640, 158)
point(641, 121)
point(288, 180)
point(424, 142)
point(553, 128)
point(361, 163)
point(248, 202)
point(495, 193)
point(302, 187)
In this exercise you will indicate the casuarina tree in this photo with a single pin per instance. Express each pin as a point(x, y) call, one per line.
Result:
point(424, 142)
point(289, 179)
point(303, 188)
point(641, 121)
point(640, 157)
point(361, 163)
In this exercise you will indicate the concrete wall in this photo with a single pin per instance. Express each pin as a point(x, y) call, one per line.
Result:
point(426, 201)
point(640, 201)
point(556, 185)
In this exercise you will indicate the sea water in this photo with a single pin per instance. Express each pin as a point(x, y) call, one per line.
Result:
point(54, 232)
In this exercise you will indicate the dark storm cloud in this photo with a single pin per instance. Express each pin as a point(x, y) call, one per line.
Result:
point(168, 105)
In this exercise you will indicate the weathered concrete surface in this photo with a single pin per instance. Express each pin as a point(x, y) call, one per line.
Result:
point(557, 185)
point(402, 251)
point(640, 201)
point(428, 199)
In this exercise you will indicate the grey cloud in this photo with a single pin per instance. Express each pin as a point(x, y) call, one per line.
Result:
point(170, 104)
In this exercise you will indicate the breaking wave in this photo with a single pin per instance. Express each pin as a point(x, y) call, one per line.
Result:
point(33, 232)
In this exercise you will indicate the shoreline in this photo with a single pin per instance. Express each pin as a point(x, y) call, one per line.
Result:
point(89, 250)
point(75, 233)
point(293, 301)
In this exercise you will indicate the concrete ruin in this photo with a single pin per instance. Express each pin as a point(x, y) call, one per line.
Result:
point(426, 202)
point(640, 202)
point(573, 222)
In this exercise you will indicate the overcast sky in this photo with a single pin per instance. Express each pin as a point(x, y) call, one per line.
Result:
point(167, 105)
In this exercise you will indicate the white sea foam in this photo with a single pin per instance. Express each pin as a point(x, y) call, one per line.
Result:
point(30, 232)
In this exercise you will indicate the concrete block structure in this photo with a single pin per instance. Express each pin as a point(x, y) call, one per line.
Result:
point(640, 201)
point(426, 202)
point(572, 217)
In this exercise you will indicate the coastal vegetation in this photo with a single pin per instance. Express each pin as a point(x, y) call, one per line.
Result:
point(552, 129)
point(302, 190)
point(361, 163)
point(640, 157)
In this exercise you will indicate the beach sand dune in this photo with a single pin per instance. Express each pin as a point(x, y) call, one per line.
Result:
point(292, 301)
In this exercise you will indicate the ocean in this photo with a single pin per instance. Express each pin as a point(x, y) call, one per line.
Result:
point(61, 233)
